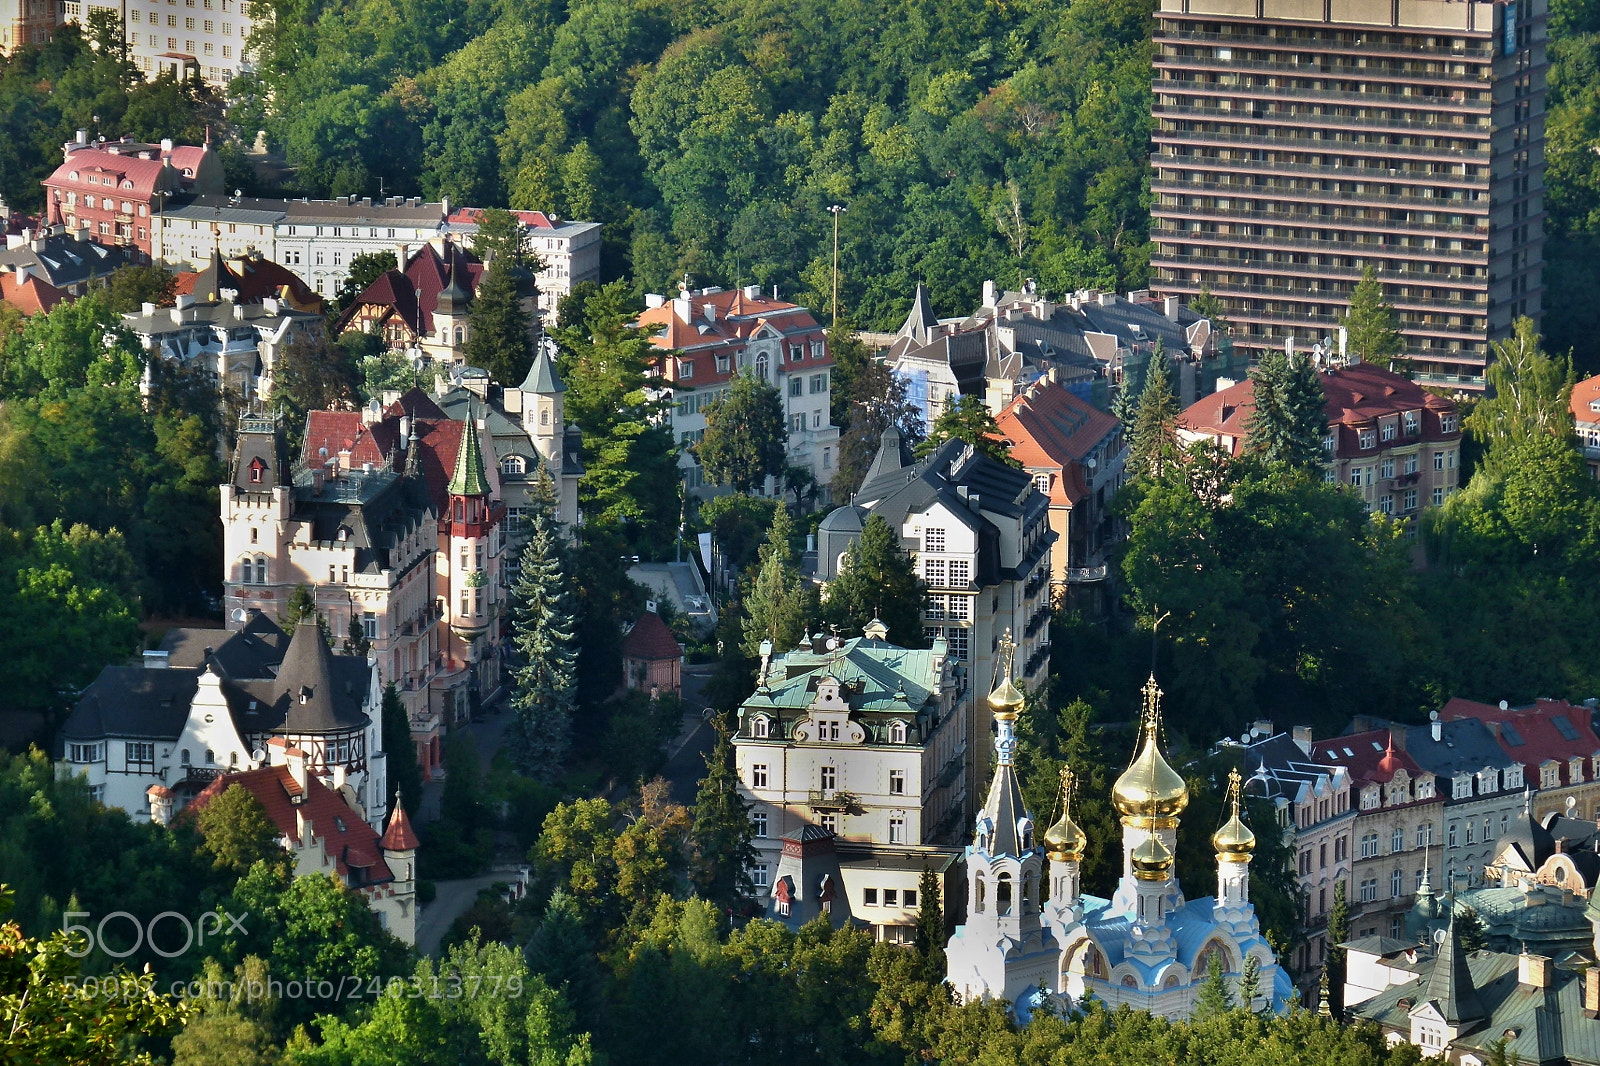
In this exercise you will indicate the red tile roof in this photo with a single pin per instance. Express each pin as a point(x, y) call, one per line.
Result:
point(31, 297)
point(650, 640)
point(413, 295)
point(399, 836)
point(1370, 757)
point(254, 279)
point(1585, 393)
point(1355, 396)
point(736, 317)
point(349, 841)
point(1049, 427)
point(1537, 728)
point(438, 440)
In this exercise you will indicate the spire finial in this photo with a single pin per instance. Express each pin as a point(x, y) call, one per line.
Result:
point(1235, 786)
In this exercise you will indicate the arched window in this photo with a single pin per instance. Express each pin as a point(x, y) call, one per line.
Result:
point(758, 728)
point(979, 895)
point(897, 732)
point(761, 366)
point(544, 417)
point(211, 757)
point(460, 333)
point(1002, 894)
point(1030, 900)
point(183, 757)
point(513, 465)
point(444, 334)
point(261, 569)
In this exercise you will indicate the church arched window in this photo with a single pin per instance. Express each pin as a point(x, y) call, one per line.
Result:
point(1002, 894)
point(979, 893)
point(1030, 890)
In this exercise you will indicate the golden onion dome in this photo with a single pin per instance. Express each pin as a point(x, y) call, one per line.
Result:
point(1150, 788)
point(1234, 841)
point(1064, 841)
point(1152, 860)
point(1006, 700)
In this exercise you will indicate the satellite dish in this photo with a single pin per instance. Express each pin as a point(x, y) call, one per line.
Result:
point(240, 614)
point(258, 755)
point(1439, 936)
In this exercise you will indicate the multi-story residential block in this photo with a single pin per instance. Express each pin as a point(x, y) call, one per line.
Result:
point(1093, 340)
point(1296, 146)
point(1396, 804)
point(68, 262)
point(26, 22)
point(980, 533)
point(867, 741)
point(713, 334)
point(114, 188)
point(208, 702)
point(237, 343)
point(1395, 445)
point(1556, 745)
point(1586, 420)
point(568, 251)
point(1312, 799)
point(1482, 789)
point(1075, 455)
point(424, 309)
point(396, 525)
point(315, 827)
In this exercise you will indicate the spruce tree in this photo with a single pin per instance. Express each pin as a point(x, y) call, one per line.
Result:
point(1338, 933)
point(1154, 445)
point(721, 834)
point(1372, 326)
point(930, 937)
point(1249, 982)
point(1213, 998)
point(776, 598)
point(879, 580)
point(544, 633)
point(500, 339)
point(1288, 422)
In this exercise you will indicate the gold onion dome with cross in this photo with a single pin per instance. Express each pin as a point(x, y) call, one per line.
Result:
point(1150, 793)
point(1007, 699)
point(1065, 841)
point(1234, 842)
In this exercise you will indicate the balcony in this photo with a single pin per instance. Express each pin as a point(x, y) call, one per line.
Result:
point(1035, 583)
point(1287, 191)
point(1248, 193)
point(1326, 146)
point(832, 799)
point(1406, 252)
point(1458, 83)
point(1086, 575)
point(1384, 175)
point(1482, 54)
point(1040, 617)
point(1038, 659)
point(1290, 120)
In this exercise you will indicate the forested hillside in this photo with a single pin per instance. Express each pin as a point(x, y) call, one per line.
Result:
point(967, 139)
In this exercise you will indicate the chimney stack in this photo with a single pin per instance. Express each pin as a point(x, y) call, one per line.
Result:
point(296, 760)
point(1533, 971)
point(1302, 738)
point(160, 804)
point(1436, 726)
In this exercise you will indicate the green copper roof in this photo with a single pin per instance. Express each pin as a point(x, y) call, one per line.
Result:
point(469, 478)
point(542, 376)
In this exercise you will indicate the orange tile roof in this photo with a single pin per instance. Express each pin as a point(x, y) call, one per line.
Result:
point(1584, 394)
point(31, 297)
point(650, 639)
point(1048, 427)
point(737, 317)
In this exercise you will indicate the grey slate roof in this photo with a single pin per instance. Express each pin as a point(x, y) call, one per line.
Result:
point(1450, 984)
point(1004, 807)
point(65, 261)
point(1464, 745)
point(131, 701)
point(542, 375)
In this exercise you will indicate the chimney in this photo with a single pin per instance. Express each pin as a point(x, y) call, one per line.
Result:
point(1302, 737)
point(1591, 991)
point(752, 292)
point(82, 137)
point(1533, 971)
point(1169, 307)
point(296, 760)
point(147, 308)
point(1108, 299)
point(1436, 726)
point(989, 295)
point(653, 300)
point(682, 307)
point(155, 660)
point(185, 301)
point(402, 255)
point(1397, 737)
point(166, 147)
point(366, 201)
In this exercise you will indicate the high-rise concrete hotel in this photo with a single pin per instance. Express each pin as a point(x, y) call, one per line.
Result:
point(1298, 141)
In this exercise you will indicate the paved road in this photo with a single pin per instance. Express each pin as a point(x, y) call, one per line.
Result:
point(687, 764)
point(453, 900)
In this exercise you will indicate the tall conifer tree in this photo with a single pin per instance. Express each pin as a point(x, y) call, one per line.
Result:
point(545, 636)
point(1288, 422)
point(879, 580)
point(720, 836)
point(1155, 446)
point(776, 598)
point(1373, 327)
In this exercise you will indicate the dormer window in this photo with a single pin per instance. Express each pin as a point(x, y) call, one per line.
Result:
point(760, 727)
point(897, 732)
point(305, 695)
point(515, 465)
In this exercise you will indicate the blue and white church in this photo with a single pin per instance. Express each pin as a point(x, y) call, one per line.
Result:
point(1032, 936)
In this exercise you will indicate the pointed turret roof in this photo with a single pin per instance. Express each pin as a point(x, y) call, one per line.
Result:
point(891, 457)
point(454, 298)
point(1450, 986)
point(306, 677)
point(1004, 808)
point(920, 321)
point(469, 478)
point(542, 376)
point(399, 836)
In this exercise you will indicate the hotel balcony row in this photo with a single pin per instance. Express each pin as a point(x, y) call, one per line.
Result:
point(1231, 207)
point(1400, 249)
point(1403, 299)
point(1358, 44)
point(1430, 181)
point(1455, 110)
point(1270, 190)
point(1362, 146)
point(1312, 117)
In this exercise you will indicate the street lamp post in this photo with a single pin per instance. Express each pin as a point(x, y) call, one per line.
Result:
point(836, 211)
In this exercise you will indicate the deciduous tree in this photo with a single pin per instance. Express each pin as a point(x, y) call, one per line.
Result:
point(878, 580)
point(746, 438)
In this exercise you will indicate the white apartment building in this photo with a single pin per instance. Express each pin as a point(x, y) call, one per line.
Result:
point(204, 37)
point(318, 239)
point(237, 343)
point(712, 335)
point(868, 741)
